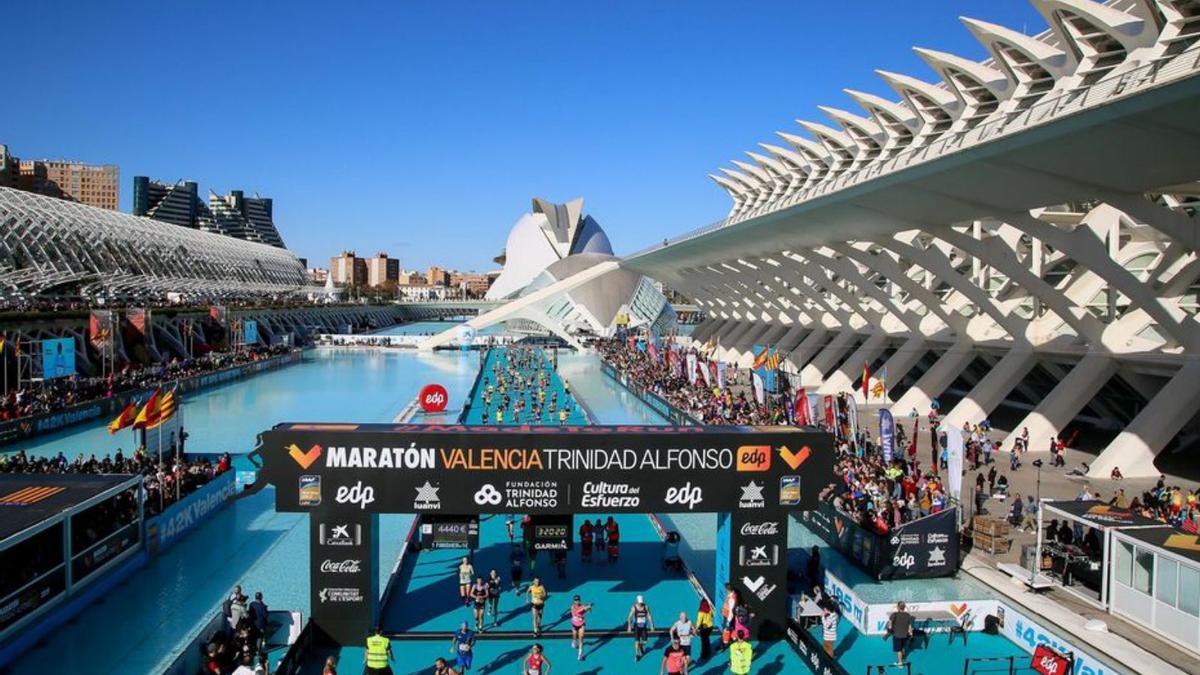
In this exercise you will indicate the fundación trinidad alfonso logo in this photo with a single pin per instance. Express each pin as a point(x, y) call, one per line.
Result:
point(304, 459)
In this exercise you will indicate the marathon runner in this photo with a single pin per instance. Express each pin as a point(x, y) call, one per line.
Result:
point(682, 630)
point(479, 596)
point(585, 540)
point(465, 572)
point(537, 600)
point(579, 612)
point(440, 667)
point(675, 660)
point(494, 590)
point(516, 567)
point(462, 644)
point(536, 663)
point(640, 623)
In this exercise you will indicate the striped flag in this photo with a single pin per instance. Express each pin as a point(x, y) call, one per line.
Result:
point(166, 409)
point(149, 412)
point(126, 419)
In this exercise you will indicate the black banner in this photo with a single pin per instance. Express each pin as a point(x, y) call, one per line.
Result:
point(923, 548)
point(758, 567)
point(95, 557)
point(23, 602)
point(501, 470)
point(344, 589)
point(438, 531)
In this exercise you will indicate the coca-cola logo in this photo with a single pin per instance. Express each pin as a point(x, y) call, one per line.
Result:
point(433, 398)
point(341, 567)
point(764, 529)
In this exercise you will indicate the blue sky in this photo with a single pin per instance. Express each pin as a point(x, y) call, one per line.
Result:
point(423, 128)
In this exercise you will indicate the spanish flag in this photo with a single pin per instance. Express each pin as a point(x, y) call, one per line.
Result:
point(149, 413)
point(124, 420)
point(166, 409)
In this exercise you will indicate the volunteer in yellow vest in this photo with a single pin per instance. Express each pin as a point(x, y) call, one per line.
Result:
point(740, 655)
point(379, 654)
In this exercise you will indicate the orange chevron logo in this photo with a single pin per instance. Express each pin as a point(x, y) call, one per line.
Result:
point(794, 459)
point(958, 610)
point(1183, 542)
point(304, 459)
point(837, 525)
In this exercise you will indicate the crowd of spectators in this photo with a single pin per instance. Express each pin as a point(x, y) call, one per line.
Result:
point(165, 483)
point(701, 398)
point(239, 646)
point(53, 395)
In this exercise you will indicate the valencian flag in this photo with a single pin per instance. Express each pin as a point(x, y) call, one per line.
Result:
point(166, 409)
point(766, 361)
point(126, 419)
point(866, 379)
point(148, 415)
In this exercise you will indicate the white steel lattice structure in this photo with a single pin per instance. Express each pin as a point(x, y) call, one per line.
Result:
point(1018, 239)
point(49, 245)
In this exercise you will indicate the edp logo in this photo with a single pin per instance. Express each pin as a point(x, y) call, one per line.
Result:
point(685, 496)
point(357, 494)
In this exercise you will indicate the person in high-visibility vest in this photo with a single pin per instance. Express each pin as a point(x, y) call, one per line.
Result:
point(379, 654)
point(741, 654)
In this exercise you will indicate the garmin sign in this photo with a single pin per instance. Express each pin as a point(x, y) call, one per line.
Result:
point(345, 475)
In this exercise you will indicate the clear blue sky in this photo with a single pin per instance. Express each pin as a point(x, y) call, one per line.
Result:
point(423, 128)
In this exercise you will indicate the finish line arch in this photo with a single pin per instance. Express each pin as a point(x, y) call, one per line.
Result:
point(345, 475)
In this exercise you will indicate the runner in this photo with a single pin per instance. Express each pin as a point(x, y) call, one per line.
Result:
point(683, 631)
point(675, 660)
point(462, 644)
point(536, 663)
point(585, 541)
point(516, 567)
point(579, 612)
point(494, 591)
point(537, 600)
point(511, 531)
point(440, 667)
point(479, 596)
point(465, 572)
point(640, 623)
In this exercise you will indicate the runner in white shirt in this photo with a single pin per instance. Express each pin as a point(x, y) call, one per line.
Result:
point(829, 628)
point(682, 630)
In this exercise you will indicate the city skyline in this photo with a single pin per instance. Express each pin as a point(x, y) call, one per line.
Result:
point(477, 117)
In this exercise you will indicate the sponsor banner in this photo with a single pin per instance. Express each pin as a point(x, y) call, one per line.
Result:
point(562, 470)
point(250, 332)
point(923, 548)
point(887, 435)
point(551, 533)
point(954, 459)
point(440, 531)
point(100, 330)
point(433, 398)
point(970, 613)
point(343, 584)
point(27, 600)
point(139, 319)
point(853, 608)
point(163, 530)
point(758, 544)
point(656, 402)
point(1046, 661)
point(1029, 634)
point(58, 358)
point(811, 652)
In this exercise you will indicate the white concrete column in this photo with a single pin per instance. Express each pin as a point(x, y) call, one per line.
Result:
point(744, 352)
point(991, 390)
point(727, 341)
point(1063, 402)
point(808, 348)
point(791, 338)
point(1134, 449)
point(849, 376)
point(940, 375)
point(813, 374)
point(905, 358)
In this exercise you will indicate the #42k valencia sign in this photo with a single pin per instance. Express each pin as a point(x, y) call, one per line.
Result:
point(344, 475)
point(535, 470)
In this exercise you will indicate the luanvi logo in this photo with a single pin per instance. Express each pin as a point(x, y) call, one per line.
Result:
point(752, 496)
point(304, 459)
point(427, 498)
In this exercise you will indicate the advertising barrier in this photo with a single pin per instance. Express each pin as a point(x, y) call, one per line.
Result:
point(811, 652)
point(163, 530)
point(924, 548)
point(1029, 634)
point(33, 425)
point(656, 402)
point(344, 475)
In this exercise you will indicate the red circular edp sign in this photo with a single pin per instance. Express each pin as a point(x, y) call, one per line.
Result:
point(433, 398)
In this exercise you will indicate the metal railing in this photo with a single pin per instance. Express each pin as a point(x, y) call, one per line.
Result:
point(977, 665)
point(1046, 110)
point(885, 668)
